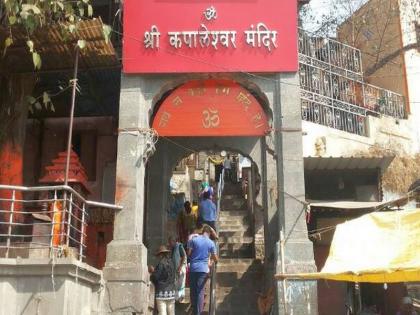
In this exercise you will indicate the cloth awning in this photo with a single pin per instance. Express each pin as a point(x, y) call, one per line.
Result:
point(358, 205)
point(379, 247)
point(347, 163)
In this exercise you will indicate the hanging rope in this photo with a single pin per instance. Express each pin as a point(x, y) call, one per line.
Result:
point(149, 137)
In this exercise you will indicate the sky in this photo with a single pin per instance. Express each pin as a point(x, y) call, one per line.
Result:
point(325, 7)
point(318, 8)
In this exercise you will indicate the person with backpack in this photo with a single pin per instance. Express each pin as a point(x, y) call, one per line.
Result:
point(163, 278)
point(179, 260)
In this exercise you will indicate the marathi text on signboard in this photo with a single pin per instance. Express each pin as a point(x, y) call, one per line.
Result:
point(195, 36)
point(211, 108)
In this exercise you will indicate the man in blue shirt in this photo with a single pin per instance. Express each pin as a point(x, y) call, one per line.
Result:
point(207, 213)
point(199, 249)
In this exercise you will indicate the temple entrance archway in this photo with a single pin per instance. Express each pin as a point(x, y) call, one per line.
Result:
point(169, 151)
point(213, 107)
point(143, 188)
point(200, 115)
point(208, 116)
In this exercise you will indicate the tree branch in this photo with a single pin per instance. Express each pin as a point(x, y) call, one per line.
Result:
point(383, 61)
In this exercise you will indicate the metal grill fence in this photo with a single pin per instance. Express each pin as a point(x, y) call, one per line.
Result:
point(44, 221)
point(332, 87)
point(332, 114)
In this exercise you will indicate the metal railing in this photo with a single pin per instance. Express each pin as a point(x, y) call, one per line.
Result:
point(44, 221)
point(329, 54)
point(333, 113)
point(332, 87)
point(383, 102)
point(213, 272)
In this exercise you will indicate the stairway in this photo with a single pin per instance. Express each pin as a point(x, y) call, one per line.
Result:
point(239, 276)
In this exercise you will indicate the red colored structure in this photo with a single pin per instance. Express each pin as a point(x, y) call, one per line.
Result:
point(11, 171)
point(55, 172)
point(210, 36)
point(211, 108)
point(100, 221)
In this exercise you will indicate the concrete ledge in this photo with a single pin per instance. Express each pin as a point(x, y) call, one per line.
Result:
point(60, 286)
point(38, 267)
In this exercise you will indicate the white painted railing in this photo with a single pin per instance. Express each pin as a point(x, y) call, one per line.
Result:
point(333, 91)
point(44, 221)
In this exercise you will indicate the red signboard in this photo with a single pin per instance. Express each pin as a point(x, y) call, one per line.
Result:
point(166, 36)
point(210, 108)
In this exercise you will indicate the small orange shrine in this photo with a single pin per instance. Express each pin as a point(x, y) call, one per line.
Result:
point(99, 229)
point(77, 174)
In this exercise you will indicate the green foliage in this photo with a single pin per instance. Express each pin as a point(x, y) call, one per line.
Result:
point(106, 29)
point(34, 15)
point(42, 100)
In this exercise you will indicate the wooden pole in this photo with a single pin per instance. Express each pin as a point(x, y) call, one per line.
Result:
point(73, 101)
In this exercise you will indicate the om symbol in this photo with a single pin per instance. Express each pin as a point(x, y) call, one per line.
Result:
point(210, 13)
point(211, 118)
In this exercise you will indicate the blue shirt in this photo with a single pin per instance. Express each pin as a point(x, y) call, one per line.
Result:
point(201, 248)
point(207, 210)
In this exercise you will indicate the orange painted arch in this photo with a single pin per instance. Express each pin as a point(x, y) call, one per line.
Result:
point(211, 108)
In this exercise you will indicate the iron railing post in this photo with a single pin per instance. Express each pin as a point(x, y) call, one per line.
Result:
point(53, 225)
point(9, 230)
point(70, 210)
point(213, 271)
point(82, 231)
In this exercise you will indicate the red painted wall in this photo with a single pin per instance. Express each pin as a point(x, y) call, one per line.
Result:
point(98, 237)
point(11, 173)
point(203, 55)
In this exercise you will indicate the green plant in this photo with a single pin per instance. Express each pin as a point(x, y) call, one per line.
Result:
point(35, 15)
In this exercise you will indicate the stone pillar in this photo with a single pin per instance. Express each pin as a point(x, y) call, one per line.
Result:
point(159, 175)
point(125, 271)
point(301, 296)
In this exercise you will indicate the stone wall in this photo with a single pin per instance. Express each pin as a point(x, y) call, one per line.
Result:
point(41, 286)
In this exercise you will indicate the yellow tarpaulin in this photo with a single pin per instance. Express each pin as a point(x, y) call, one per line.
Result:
point(377, 247)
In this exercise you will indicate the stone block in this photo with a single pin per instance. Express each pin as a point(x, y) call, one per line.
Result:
point(127, 278)
point(128, 296)
point(42, 286)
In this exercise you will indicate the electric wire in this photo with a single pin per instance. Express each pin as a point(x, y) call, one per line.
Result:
point(254, 75)
point(228, 69)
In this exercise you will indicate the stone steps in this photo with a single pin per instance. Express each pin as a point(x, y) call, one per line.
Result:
point(236, 233)
point(241, 306)
point(234, 228)
point(185, 306)
point(232, 221)
point(237, 285)
point(232, 202)
point(235, 246)
point(233, 213)
point(239, 275)
point(232, 205)
point(223, 292)
point(235, 240)
point(231, 196)
point(246, 252)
